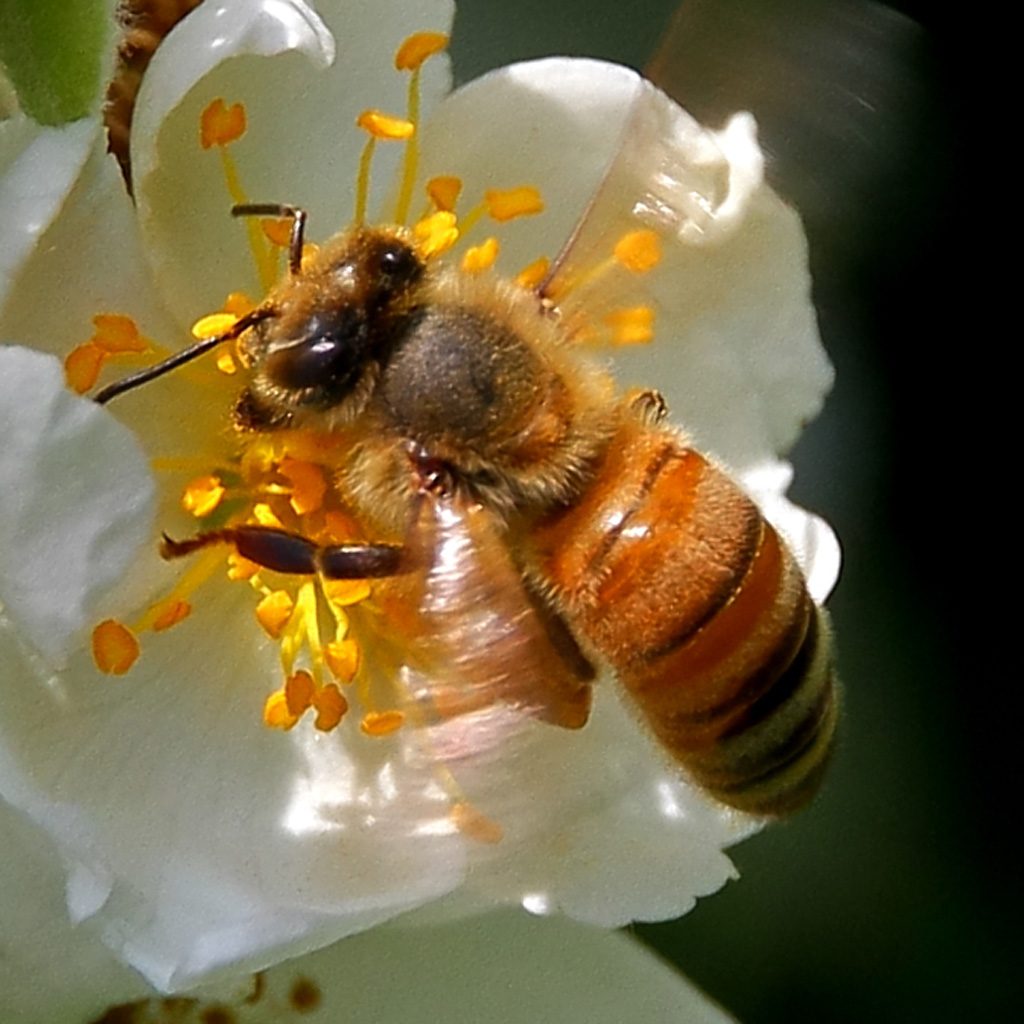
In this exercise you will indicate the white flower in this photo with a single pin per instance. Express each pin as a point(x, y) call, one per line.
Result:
point(191, 839)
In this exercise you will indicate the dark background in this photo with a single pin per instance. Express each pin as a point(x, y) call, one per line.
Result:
point(896, 896)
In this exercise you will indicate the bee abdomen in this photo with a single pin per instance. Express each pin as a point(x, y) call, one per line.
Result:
point(669, 571)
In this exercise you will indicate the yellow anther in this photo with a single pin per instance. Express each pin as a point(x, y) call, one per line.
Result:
point(481, 257)
point(436, 234)
point(331, 705)
point(278, 230)
point(114, 647)
point(633, 326)
point(276, 714)
point(638, 251)
point(385, 126)
point(220, 124)
point(240, 568)
point(444, 191)
point(82, 367)
point(239, 304)
point(472, 823)
point(340, 526)
point(507, 204)
point(343, 593)
point(213, 324)
point(264, 516)
point(299, 690)
point(226, 364)
point(274, 611)
point(382, 723)
point(419, 47)
point(308, 485)
point(116, 333)
point(531, 276)
point(202, 495)
point(171, 613)
point(342, 658)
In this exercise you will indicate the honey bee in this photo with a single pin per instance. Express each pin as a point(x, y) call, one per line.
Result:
point(540, 524)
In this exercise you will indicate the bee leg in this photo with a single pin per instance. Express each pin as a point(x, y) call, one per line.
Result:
point(282, 210)
point(291, 553)
point(648, 405)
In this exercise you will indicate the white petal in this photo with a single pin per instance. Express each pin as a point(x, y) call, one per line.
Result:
point(737, 353)
point(39, 166)
point(301, 146)
point(75, 500)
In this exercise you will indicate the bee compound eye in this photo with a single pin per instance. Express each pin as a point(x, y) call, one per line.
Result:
point(325, 357)
point(398, 262)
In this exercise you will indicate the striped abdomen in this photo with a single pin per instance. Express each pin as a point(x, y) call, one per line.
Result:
point(667, 570)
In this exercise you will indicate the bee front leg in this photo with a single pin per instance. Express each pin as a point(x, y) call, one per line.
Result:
point(292, 553)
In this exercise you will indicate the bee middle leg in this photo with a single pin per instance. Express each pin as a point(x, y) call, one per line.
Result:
point(292, 553)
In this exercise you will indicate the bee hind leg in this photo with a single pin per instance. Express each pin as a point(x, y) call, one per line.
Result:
point(292, 553)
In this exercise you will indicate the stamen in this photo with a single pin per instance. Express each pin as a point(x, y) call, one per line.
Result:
point(344, 593)
point(473, 823)
point(117, 333)
point(481, 257)
point(264, 516)
point(213, 324)
point(639, 251)
point(633, 326)
point(435, 234)
point(173, 611)
point(225, 362)
point(507, 204)
point(381, 723)
point(82, 367)
point(444, 192)
point(299, 690)
point(202, 495)
point(531, 276)
point(276, 714)
point(220, 124)
point(114, 647)
point(274, 611)
point(420, 46)
point(342, 658)
point(308, 485)
point(385, 126)
point(331, 705)
point(278, 231)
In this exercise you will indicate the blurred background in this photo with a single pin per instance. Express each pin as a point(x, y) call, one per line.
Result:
point(895, 897)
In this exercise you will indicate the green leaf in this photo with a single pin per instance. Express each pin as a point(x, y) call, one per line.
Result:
point(53, 52)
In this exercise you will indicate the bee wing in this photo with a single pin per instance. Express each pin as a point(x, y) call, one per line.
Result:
point(482, 647)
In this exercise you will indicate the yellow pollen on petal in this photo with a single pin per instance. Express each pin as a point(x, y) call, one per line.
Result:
point(479, 258)
point(220, 124)
point(476, 825)
point(507, 204)
point(444, 191)
point(202, 495)
point(342, 658)
point(299, 690)
point(213, 324)
point(276, 714)
point(171, 613)
point(331, 705)
point(117, 333)
point(531, 276)
point(436, 234)
point(274, 611)
point(419, 47)
point(633, 326)
point(114, 647)
point(381, 723)
point(82, 367)
point(308, 485)
point(343, 593)
point(385, 126)
point(639, 251)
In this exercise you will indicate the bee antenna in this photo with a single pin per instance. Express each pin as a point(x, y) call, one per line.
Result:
point(144, 376)
point(298, 219)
